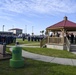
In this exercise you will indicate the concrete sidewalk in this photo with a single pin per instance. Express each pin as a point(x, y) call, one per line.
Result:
point(64, 61)
point(26, 46)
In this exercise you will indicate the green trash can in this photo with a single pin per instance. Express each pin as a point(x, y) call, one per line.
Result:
point(17, 60)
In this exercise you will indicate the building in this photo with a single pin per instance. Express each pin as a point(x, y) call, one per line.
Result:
point(6, 33)
point(61, 42)
point(16, 31)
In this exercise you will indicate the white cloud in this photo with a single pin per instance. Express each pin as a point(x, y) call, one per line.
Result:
point(39, 6)
point(6, 18)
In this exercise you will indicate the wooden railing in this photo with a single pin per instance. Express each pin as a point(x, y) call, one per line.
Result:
point(57, 40)
point(52, 40)
point(68, 44)
point(43, 42)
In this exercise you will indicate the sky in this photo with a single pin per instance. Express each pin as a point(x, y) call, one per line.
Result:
point(35, 15)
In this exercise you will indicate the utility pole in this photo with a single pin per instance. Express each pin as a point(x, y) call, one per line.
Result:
point(26, 29)
point(32, 30)
point(3, 27)
point(12, 26)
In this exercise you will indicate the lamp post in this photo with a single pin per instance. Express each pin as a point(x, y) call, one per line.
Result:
point(12, 26)
point(26, 29)
point(3, 28)
point(32, 30)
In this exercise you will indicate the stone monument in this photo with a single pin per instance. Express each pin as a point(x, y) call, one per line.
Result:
point(3, 53)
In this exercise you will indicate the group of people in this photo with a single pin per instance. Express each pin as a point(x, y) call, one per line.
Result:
point(70, 36)
point(7, 39)
point(53, 35)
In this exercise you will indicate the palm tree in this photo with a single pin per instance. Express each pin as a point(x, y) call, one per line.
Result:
point(42, 32)
point(32, 34)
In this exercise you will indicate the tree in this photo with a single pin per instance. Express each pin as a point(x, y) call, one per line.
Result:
point(32, 34)
point(42, 32)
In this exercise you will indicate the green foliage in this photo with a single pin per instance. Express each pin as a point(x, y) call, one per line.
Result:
point(7, 50)
point(42, 32)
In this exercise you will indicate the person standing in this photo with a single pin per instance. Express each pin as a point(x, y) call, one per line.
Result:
point(72, 38)
point(67, 35)
point(23, 37)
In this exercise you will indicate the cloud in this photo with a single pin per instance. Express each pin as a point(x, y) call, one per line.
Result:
point(38, 6)
point(6, 18)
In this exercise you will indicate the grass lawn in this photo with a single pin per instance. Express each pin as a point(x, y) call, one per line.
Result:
point(7, 50)
point(26, 42)
point(33, 44)
point(33, 67)
point(51, 52)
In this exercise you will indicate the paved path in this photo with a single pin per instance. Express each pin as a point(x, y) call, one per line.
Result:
point(25, 46)
point(39, 57)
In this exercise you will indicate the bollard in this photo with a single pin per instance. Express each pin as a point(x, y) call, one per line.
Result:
point(17, 60)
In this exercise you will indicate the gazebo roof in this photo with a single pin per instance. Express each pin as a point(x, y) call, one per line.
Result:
point(66, 24)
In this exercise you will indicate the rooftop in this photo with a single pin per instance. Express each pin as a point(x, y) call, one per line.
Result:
point(15, 29)
point(63, 24)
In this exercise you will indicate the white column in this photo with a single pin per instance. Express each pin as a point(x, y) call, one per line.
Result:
point(48, 36)
point(62, 35)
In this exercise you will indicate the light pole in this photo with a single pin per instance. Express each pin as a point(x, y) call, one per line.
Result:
point(26, 29)
point(12, 26)
point(32, 30)
point(3, 28)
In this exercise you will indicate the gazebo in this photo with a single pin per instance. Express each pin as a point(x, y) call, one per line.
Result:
point(62, 41)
